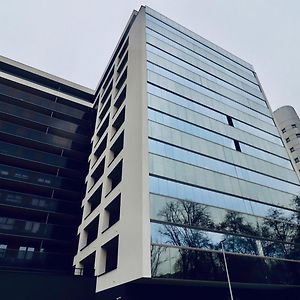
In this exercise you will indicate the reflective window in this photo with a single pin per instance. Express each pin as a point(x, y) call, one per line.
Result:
point(189, 128)
point(182, 85)
point(167, 44)
point(196, 194)
point(209, 163)
point(258, 132)
point(181, 263)
point(181, 38)
point(157, 56)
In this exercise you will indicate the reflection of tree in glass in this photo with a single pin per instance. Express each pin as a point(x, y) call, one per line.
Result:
point(190, 214)
point(284, 230)
point(156, 258)
point(187, 213)
point(277, 229)
point(190, 264)
point(235, 223)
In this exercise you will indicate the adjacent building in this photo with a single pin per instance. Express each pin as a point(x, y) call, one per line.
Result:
point(45, 129)
point(288, 124)
point(185, 157)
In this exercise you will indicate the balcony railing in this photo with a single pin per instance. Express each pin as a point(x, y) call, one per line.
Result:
point(35, 229)
point(14, 199)
point(22, 259)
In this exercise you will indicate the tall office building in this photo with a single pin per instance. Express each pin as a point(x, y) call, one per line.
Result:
point(186, 185)
point(45, 130)
point(288, 123)
point(185, 159)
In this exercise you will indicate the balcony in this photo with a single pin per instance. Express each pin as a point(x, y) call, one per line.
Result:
point(20, 200)
point(22, 259)
point(37, 230)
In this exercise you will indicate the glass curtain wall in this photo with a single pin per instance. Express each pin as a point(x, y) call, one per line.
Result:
point(218, 168)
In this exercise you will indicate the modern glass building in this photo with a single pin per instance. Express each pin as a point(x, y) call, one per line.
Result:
point(172, 169)
point(185, 158)
point(45, 129)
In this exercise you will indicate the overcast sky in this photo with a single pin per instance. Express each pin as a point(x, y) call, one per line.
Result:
point(74, 39)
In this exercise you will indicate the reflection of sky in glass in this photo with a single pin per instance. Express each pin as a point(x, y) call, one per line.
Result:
point(186, 192)
point(220, 166)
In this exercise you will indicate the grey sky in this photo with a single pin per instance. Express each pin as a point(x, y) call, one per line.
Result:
point(74, 39)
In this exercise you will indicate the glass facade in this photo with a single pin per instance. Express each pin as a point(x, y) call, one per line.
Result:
point(44, 146)
point(218, 171)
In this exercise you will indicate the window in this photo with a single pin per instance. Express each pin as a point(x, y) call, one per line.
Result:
point(298, 135)
point(95, 199)
point(25, 252)
point(92, 231)
point(101, 147)
point(124, 48)
point(99, 170)
point(111, 249)
point(115, 175)
point(229, 120)
point(113, 210)
point(119, 121)
point(88, 265)
point(120, 99)
point(122, 64)
point(296, 160)
point(121, 80)
point(292, 149)
point(283, 130)
point(109, 77)
point(103, 127)
point(287, 140)
point(237, 146)
point(2, 250)
point(294, 126)
point(104, 110)
point(117, 147)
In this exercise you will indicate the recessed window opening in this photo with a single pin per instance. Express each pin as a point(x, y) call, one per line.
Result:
point(121, 80)
point(103, 127)
point(95, 199)
point(109, 77)
point(107, 93)
point(124, 48)
point(111, 250)
point(105, 109)
point(119, 120)
point(88, 265)
point(283, 130)
point(113, 211)
point(120, 98)
point(92, 230)
point(122, 64)
point(287, 140)
point(292, 149)
point(118, 145)
point(101, 147)
point(294, 126)
point(115, 175)
point(98, 172)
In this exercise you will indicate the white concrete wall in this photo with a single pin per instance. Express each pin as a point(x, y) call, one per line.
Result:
point(133, 227)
